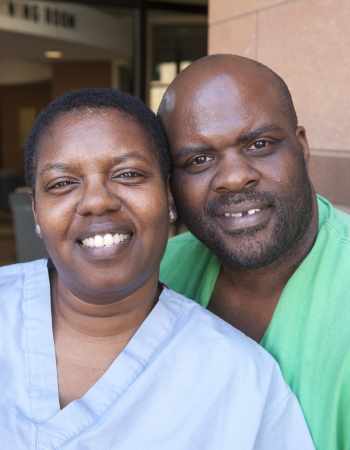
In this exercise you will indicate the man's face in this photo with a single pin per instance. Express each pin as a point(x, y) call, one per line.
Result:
point(240, 179)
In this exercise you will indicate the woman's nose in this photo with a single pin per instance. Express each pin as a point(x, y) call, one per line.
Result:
point(235, 174)
point(97, 199)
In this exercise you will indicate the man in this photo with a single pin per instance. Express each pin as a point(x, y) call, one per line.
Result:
point(270, 257)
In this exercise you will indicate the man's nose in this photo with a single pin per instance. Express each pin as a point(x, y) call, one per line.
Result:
point(234, 174)
point(97, 198)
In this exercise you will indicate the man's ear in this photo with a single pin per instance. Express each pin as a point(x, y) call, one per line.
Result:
point(302, 139)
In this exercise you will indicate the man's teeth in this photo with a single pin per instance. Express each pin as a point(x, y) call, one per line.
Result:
point(106, 240)
point(253, 211)
point(250, 212)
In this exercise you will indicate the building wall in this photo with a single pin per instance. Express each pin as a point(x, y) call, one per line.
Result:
point(307, 42)
point(18, 106)
point(20, 103)
point(69, 76)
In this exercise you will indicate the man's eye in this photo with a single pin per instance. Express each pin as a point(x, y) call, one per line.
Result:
point(260, 144)
point(201, 159)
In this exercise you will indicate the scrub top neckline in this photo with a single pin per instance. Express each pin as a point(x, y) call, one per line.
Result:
point(54, 423)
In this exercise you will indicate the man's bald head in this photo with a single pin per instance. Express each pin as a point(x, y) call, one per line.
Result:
point(239, 176)
point(243, 71)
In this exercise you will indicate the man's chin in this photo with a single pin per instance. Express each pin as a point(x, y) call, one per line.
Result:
point(251, 248)
point(246, 232)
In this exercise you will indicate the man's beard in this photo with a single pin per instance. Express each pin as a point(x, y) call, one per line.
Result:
point(291, 215)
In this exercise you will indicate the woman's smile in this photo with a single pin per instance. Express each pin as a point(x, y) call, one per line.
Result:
point(101, 202)
point(105, 246)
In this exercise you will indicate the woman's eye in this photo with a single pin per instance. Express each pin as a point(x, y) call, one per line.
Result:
point(61, 184)
point(128, 175)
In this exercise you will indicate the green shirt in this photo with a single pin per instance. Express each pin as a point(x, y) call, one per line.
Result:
point(309, 334)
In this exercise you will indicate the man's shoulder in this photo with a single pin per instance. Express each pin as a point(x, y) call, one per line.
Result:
point(335, 220)
point(184, 240)
point(184, 247)
point(189, 267)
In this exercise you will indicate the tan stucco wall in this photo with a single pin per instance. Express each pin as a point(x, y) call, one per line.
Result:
point(308, 43)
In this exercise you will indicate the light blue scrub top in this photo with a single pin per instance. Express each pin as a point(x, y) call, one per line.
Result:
point(186, 380)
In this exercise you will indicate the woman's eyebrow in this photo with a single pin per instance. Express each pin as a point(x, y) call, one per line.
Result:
point(61, 167)
point(64, 167)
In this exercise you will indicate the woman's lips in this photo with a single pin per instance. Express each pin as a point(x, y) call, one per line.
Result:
point(105, 246)
point(105, 240)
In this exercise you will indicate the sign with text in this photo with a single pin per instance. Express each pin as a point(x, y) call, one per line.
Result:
point(39, 13)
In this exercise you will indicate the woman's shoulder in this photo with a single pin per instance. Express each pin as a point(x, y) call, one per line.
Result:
point(210, 334)
point(13, 276)
point(21, 268)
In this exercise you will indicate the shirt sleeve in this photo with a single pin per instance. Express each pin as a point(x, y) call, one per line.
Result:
point(283, 426)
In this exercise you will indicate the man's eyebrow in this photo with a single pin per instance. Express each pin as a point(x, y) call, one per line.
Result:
point(189, 150)
point(244, 138)
point(249, 136)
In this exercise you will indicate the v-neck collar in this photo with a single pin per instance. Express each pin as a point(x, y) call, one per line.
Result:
point(212, 271)
point(54, 425)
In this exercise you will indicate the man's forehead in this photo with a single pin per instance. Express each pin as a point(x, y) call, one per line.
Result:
point(217, 88)
point(220, 102)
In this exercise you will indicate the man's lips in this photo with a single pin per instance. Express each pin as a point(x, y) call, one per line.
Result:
point(238, 209)
point(240, 218)
point(239, 214)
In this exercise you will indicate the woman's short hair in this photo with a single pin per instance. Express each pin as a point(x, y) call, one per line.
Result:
point(96, 98)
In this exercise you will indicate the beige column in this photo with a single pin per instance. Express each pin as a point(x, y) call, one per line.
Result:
point(308, 43)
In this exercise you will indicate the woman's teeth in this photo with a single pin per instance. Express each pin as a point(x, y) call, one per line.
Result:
point(106, 240)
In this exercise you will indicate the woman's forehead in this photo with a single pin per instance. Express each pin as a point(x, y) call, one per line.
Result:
point(94, 130)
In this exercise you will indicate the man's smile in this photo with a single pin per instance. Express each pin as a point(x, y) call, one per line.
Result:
point(240, 218)
point(250, 212)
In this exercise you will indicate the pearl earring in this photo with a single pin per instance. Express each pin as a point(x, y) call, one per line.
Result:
point(172, 215)
point(38, 230)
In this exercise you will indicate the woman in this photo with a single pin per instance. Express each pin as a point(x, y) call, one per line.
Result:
point(95, 353)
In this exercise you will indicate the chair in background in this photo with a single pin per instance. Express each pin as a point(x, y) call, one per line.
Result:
point(28, 245)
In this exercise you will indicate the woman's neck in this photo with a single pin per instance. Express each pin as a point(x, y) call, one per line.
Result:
point(119, 318)
point(89, 337)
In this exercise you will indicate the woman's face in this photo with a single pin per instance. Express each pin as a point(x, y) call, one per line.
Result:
point(101, 203)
